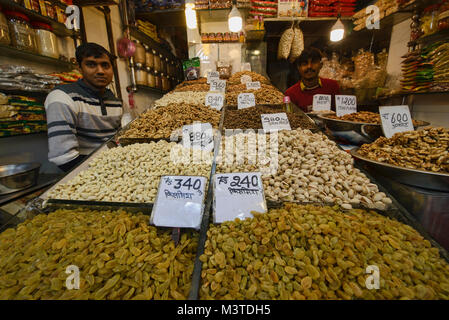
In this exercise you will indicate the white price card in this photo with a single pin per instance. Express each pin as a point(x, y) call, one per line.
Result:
point(246, 66)
point(236, 195)
point(395, 119)
point(179, 202)
point(275, 121)
point(245, 78)
point(345, 105)
point(322, 102)
point(218, 85)
point(215, 100)
point(246, 100)
point(212, 75)
point(198, 136)
point(253, 85)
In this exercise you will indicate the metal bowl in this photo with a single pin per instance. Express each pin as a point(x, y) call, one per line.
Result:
point(16, 177)
point(357, 133)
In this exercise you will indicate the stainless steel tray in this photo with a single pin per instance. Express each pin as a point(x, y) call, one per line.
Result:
point(16, 177)
point(407, 176)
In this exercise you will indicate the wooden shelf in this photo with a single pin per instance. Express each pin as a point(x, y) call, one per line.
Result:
point(306, 19)
point(139, 35)
point(8, 51)
point(93, 3)
point(164, 18)
point(150, 89)
point(58, 28)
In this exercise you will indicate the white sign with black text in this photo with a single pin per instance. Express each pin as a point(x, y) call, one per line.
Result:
point(395, 119)
point(345, 105)
point(253, 85)
point(179, 202)
point(198, 136)
point(322, 102)
point(246, 100)
point(275, 122)
point(215, 100)
point(212, 75)
point(218, 85)
point(236, 195)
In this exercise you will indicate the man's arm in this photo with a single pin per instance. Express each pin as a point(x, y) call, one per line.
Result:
point(61, 122)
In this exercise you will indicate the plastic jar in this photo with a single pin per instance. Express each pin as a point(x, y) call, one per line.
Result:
point(47, 42)
point(139, 55)
point(157, 61)
point(151, 80)
point(157, 76)
point(141, 75)
point(22, 33)
point(4, 30)
point(443, 17)
point(149, 60)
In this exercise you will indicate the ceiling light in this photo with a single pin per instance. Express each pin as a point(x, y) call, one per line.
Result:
point(337, 31)
point(235, 20)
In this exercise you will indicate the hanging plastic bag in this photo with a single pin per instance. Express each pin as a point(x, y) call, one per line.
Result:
point(297, 44)
point(285, 44)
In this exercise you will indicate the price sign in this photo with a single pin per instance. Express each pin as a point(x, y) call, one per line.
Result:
point(395, 119)
point(218, 85)
point(198, 136)
point(179, 202)
point(245, 78)
point(215, 100)
point(345, 105)
point(246, 66)
point(275, 121)
point(246, 100)
point(236, 195)
point(253, 85)
point(322, 102)
point(212, 75)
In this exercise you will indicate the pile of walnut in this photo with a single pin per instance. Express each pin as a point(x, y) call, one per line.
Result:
point(313, 252)
point(363, 116)
point(426, 150)
point(132, 173)
point(301, 166)
point(162, 122)
point(118, 256)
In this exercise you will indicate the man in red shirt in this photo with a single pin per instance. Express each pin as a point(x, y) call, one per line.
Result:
point(309, 65)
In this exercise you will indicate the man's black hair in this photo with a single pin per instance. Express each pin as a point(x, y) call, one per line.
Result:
point(91, 49)
point(310, 53)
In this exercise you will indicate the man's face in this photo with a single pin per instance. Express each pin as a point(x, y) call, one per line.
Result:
point(97, 71)
point(309, 70)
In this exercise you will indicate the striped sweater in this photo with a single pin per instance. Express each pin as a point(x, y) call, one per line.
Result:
point(79, 120)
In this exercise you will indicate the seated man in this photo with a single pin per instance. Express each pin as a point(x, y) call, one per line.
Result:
point(83, 115)
point(309, 65)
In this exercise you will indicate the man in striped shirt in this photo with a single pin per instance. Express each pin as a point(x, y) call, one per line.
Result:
point(83, 115)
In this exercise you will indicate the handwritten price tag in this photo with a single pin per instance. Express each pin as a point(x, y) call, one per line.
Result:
point(345, 105)
point(212, 75)
point(218, 85)
point(198, 136)
point(395, 119)
point(322, 102)
point(215, 100)
point(246, 100)
point(179, 202)
point(275, 121)
point(236, 195)
point(253, 85)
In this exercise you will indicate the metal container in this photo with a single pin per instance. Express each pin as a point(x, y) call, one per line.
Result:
point(16, 177)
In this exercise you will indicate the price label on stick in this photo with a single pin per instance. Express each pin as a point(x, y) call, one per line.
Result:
point(275, 121)
point(198, 136)
point(212, 75)
point(215, 100)
point(246, 100)
point(345, 105)
point(253, 85)
point(395, 119)
point(179, 202)
point(322, 102)
point(218, 85)
point(237, 195)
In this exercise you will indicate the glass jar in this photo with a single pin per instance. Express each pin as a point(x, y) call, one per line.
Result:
point(47, 43)
point(157, 61)
point(22, 33)
point(151, 80)
point(51, 11)
point(149, 60)
point(4, 30)
point(165, 85)
point(158, 79)
point(141, 75)
point(139, 55)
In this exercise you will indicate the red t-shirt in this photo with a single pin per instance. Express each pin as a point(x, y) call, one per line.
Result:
point(304, 98)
